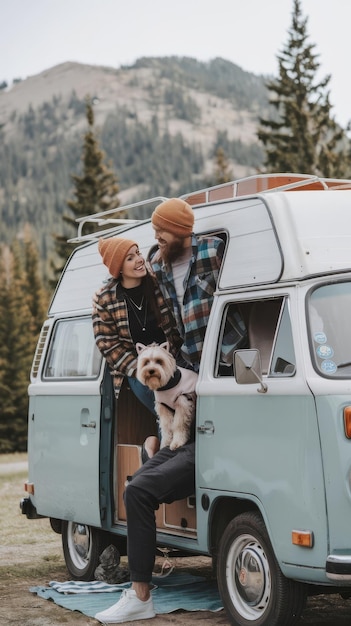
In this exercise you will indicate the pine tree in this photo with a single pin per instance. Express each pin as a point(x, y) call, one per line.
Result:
point(7, 408)
point(95, 190)
point(302, 136)
point(22, 311)
point(223, 173)
point(36, 296)
point(17, 351)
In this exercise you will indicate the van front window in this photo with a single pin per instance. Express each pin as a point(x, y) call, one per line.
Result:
point(329, 314)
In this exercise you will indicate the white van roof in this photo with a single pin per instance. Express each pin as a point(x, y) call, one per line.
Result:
point(273, 234)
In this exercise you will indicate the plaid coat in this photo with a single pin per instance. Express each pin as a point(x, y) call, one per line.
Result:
point(112, 333)
point(200, 283)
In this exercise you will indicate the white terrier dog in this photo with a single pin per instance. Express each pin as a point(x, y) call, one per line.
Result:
point(174, 387)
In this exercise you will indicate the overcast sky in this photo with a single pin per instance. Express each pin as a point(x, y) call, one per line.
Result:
point(38, 34)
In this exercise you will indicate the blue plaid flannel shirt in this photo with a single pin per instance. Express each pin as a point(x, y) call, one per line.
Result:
point(200, 283)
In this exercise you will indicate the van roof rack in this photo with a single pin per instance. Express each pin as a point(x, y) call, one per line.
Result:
point(102, 218)
point(258, 183)
point(263, 183)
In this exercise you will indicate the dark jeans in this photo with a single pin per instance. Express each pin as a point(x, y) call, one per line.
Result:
point(167, 476)
point(143, 393)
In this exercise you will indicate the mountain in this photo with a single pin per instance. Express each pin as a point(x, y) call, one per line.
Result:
point(159, 122)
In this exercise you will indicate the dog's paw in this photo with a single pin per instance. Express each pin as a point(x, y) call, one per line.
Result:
point(165, 441)
point(177, 442)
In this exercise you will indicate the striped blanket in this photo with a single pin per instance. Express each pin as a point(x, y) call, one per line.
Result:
point(177, 591)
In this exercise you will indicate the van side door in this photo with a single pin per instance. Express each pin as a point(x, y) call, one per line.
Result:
point(64, 423)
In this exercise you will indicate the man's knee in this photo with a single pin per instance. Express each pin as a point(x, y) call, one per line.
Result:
point(140, 507)
point(136, 497)
point(130, 493)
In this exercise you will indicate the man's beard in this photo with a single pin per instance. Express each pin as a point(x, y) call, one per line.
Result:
point(173, 251)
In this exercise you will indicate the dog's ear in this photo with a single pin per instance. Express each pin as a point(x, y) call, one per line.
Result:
point(165, 346)
point(139, 347)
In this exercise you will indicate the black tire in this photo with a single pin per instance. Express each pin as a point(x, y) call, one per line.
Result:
point(56, 525)
point(82, 546)
point(252, 587)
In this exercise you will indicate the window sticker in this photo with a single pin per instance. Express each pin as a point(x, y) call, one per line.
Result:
point(328, 367)
point(325, 352)
point(320, 337)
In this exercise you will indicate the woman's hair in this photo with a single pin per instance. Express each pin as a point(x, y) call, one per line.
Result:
point(150, 285)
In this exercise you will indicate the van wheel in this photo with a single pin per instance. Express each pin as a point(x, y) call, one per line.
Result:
point(252, 587)
point(82, 546)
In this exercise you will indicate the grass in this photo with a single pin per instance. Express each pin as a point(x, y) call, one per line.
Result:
point(45, 572)
point(28, 547)
point(14, 457)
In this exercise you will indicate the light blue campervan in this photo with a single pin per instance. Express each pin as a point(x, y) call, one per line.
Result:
point(273, 445)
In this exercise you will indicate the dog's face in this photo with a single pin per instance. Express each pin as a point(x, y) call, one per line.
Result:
point(155, 366)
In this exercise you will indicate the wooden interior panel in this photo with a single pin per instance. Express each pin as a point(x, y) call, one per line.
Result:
point(127, 462)
point(134, 421)
point(180, 514)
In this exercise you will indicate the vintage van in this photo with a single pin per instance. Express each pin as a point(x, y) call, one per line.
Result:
point(273, 433)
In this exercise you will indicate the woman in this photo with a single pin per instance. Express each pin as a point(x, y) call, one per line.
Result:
point(128, 310)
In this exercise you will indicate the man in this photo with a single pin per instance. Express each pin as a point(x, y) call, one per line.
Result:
point(186, 268)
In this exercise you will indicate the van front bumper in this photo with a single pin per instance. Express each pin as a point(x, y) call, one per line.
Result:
point(338, 566)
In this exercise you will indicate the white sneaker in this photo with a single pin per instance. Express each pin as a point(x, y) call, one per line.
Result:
point(127, 609)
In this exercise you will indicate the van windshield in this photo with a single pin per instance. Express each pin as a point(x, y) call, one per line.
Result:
point(329, 312)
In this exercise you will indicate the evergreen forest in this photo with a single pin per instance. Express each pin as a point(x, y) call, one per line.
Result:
point(162, 127)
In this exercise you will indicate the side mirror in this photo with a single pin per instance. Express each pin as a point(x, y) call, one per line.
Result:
point(247, 368)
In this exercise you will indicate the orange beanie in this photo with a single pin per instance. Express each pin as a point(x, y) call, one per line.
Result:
point(113, 251)
point(174, 216)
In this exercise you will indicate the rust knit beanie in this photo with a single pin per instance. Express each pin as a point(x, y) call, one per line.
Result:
point(174, 216)
point(113, 251)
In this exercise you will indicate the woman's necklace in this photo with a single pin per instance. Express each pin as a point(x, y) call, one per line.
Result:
point(142, 322)
point(138, 306)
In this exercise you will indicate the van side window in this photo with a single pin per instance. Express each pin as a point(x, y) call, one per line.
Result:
point(283, 359)
point(73, 352)
point(267, 328)
point(233, 337)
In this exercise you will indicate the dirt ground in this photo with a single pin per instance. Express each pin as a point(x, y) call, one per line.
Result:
point(19, 607)
point(31, 555)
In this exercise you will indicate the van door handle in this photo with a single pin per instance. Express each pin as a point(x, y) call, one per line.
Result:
point(90, 425)
point(207, 428)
